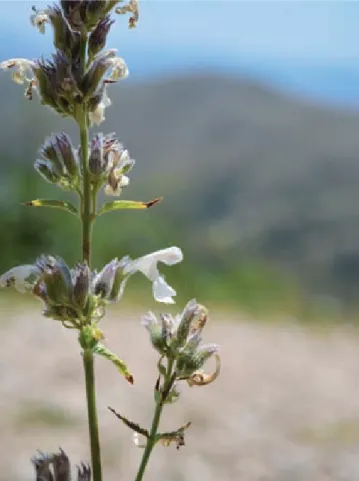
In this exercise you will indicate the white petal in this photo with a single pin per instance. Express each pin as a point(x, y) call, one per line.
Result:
point(98, 115)
point(23, 278)
point(110, 192)
point(23, 69)
point(124, 181)
point(162, 292)
point(148, 264)
point(119, 69)
point(39, 18)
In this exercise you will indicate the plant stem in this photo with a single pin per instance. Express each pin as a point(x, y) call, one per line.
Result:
point(151, 441)
point(87, 220)
point(88, 361)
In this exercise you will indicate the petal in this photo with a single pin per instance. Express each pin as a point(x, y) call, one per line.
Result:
point(119, 69)
point(162, 292)
point(23, 278)
point(148, 264)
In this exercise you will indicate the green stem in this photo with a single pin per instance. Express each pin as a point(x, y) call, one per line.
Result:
point(88, 361)
point(87, 220)
point(151, 441)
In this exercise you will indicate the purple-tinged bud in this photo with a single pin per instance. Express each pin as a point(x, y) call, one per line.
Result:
point(50, 152)
point(85, 14)
point(98, 36)
point(97, 165)
point(190, 361)
point(94, 76)
point(64, 147)
point(188, 315)
point(81, 277)
point(103, 282)
point(65, 39)
point(46, 169)
point(57, 279)
point(57, 85)
point(157, 337)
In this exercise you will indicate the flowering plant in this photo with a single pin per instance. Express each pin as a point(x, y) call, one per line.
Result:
point(74, 84)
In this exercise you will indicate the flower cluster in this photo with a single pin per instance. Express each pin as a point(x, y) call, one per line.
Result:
point(60, 163)
point(109, 163)
point(178, 339)
point(63, 83)
point(77, 296)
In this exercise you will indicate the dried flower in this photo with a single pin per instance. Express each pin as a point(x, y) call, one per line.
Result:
point(23, 69)
point(131, 7)
point(39, 18)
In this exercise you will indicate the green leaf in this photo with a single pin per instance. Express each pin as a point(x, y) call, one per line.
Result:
point(127, 204)
point(120, 365)
point(55, 204)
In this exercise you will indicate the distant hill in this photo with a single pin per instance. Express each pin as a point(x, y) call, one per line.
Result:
point(244, 170)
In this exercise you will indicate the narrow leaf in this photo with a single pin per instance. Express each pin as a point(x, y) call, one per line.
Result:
point(134, 426)
point(55, 204)
point(127, 204)
point(120, 365)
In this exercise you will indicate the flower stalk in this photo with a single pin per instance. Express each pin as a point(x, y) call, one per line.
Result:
point(87, 217)
point(169, 379)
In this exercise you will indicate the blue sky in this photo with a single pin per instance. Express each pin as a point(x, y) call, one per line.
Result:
point(282, 39)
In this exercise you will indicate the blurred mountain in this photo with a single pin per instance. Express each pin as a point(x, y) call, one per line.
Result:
point(246, 172)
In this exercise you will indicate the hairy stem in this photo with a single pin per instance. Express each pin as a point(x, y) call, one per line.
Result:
point(151, 441)
point(87, 219)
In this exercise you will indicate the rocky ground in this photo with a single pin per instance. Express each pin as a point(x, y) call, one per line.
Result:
point(285, 408)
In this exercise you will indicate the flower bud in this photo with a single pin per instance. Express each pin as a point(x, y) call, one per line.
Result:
point(204, 352)
point(119, 282)
point(98, 36)
point(46, 170)
point(65, 149)
point(65, 39)
point(84, 15)
point(96, 72)
point(57, 84)
point(187, 317)
point(103, 282)
point(50, 152)
point(81, 276)
point(96, 159)
point(57, 279)
point(157, 334)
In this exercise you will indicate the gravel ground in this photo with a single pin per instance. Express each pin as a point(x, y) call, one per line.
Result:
point(285, 408)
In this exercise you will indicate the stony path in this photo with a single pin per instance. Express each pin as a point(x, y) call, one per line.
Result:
point(286, 407)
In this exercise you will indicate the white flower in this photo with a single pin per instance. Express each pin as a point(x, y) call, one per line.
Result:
point(39, 18)
point(98, 115)
point(119, 69)
point(23, 69)
point(123, 181)
point(162, 292)
point(23, 278)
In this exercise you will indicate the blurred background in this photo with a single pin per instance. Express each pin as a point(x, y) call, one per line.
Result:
point(244, 115)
